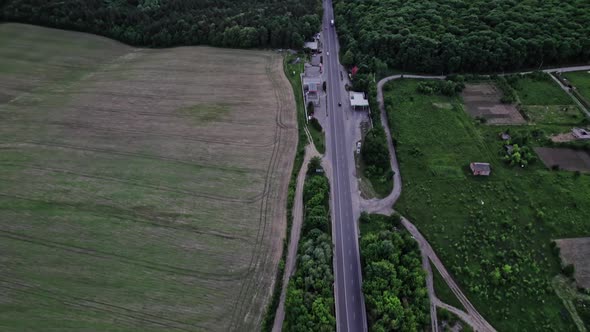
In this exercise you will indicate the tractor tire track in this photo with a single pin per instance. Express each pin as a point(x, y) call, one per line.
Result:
point(266, 207)
point(130, 215)
point(127, 154)
point(80, 125)
point(98, 306)
point(250, 200)
point(165, 268)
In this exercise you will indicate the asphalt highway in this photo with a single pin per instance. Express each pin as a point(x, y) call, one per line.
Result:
point(350, 308)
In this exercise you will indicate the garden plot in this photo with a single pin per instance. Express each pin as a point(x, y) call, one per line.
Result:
point(482, 100)
point(577, 252)
point(566, 159)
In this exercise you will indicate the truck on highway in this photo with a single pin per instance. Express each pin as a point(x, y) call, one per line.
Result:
point(332, 22)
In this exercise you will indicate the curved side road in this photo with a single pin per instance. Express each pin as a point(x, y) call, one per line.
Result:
point(310, 152)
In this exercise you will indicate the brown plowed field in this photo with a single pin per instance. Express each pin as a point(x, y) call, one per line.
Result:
point(567, 159)
point(140, 190)
point(576, 251)
point(483, 100)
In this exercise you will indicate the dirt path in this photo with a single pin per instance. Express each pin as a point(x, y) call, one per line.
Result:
point(310, 152)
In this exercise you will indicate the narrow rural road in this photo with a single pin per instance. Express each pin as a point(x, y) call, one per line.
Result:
point(310, 152)
point(384, 205)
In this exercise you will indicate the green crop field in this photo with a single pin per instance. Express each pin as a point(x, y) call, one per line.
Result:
point(581, 80)
point(493, 233)
point(545, 103)
point(541, 91)
point(140, 190)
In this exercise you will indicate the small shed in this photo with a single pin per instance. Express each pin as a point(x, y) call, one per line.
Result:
point(580, 133)
point(478, 168)
point(504, 136)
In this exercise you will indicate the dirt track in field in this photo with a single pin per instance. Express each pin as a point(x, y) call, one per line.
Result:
point(167, 168)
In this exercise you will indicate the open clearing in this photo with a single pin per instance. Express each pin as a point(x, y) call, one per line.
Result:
point(140, 190)
point(567, 159)
point(494, 233)
point(577, 252)
point(483, 100)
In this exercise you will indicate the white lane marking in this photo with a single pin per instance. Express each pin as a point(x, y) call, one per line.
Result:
point(337, 183)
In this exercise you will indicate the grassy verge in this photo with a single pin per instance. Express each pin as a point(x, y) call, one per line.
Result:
point(394, 283)
point(442, 290)
point(271, 310)
point(540, 89)
point(318, 137)
point(495, 231)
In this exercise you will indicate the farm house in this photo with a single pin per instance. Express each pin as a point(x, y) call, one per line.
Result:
point(480, 169)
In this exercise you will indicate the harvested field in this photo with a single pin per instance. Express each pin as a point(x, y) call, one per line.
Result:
point(566, 159)
point(577, 252)
point(141, 190)
point(483, 100)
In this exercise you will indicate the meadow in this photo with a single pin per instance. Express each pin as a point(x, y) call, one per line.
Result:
point(581, 80)
point(140, 189)
point(493, 233)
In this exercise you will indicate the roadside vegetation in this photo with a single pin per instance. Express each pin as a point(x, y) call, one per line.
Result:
point(394, 283)
point(438, 36)
point(309, 304)
point(156, 23)
point(494, 232)
point(375, 157)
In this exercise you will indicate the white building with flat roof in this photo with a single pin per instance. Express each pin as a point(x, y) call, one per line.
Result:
point(358, 101)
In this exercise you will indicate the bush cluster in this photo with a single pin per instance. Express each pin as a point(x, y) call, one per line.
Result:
point(309, 304)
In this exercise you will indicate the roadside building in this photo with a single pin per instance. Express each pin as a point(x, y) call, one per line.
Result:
point(478, 168)
point(358, 101)
point(311, 45)
point(312, 83)
point(580, 133)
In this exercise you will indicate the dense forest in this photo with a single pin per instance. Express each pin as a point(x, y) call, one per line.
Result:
point(394, 282)
point(309, 304)
point(442, 36)
point(158, 23)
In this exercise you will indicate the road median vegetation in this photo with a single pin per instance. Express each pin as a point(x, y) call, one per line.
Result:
point(394, 282)
point(309, 304)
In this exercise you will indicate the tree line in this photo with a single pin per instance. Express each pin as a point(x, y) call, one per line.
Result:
point(440, 36)
point(156, 23)
point(309, 304)
point(394, 282)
